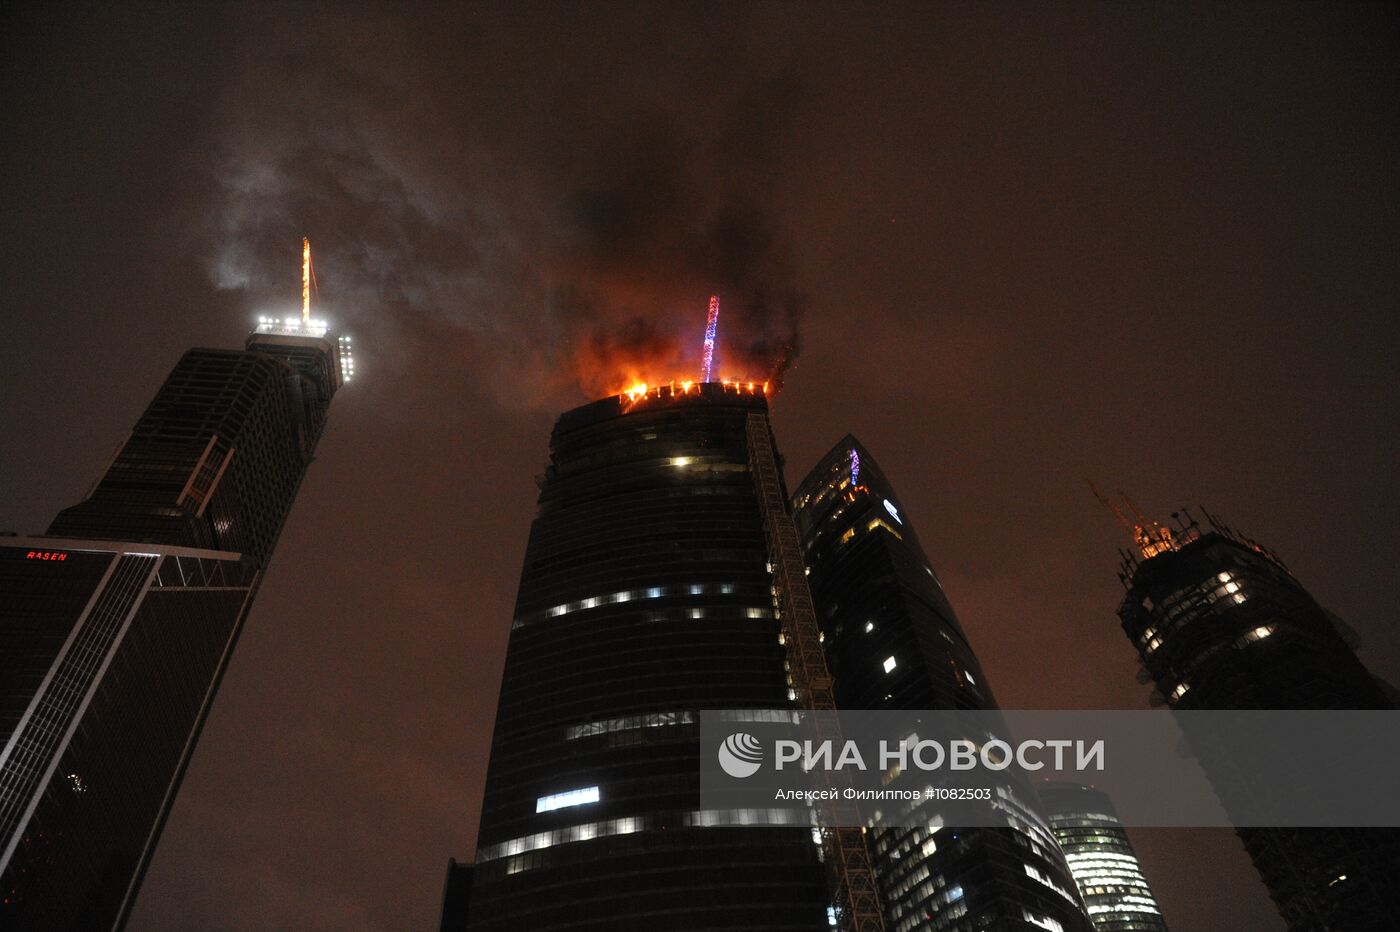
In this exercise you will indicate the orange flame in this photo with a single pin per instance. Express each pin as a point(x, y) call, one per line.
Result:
point(640, 391)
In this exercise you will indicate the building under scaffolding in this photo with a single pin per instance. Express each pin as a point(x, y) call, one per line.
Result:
point(1219, 622)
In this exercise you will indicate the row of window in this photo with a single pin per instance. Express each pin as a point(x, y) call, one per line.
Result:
point(630, 722)
point(579, 797)
point(631, 595)
point(1046, 880)
point(1127, 904)
point(700, 818)
point(1043, 922)
point(875, 523)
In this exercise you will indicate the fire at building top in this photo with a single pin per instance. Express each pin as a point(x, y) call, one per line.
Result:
point(638, 390)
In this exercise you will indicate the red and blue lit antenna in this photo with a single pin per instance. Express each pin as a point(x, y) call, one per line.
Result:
point(711, 326)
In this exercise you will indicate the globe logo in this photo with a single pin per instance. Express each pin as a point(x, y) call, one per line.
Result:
point(740, 755)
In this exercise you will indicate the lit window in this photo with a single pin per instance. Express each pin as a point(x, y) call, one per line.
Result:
point(1044, 922)
point(1180, 691)
point(628, 723)
point(680, 461)
point(581, 797)
point(889, 664)
point(1258, 634)
point(696, 589)
point(970, 678)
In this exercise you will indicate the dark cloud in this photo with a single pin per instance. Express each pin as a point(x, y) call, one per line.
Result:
point(599, 258)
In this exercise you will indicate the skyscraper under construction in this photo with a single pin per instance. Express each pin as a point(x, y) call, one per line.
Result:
point(1219, 622)
point(646, 596)
point(116, 626)
point(892, 641)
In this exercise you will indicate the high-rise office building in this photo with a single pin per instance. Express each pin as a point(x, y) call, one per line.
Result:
point(1219, 622)
point(893, 642)
point(1101, 858)
point(646, 596)
point(116, 626)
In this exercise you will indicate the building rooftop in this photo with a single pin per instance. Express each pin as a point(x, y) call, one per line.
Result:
point(671, 394)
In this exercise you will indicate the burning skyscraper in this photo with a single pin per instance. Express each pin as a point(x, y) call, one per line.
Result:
point(646, 596)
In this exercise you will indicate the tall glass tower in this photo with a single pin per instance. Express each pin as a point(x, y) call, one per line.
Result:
point(1219, 622)
point(893, 642)
point(646, 596)
point(116, 626)
point(1101, 858)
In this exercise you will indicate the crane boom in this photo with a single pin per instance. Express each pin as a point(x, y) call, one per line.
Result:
point(305, 281)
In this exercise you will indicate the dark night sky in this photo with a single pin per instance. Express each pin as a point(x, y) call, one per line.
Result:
point(1152, 244)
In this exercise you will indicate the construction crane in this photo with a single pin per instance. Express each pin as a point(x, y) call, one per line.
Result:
point(308, 282)
point(850, 879)
point(1149, 536)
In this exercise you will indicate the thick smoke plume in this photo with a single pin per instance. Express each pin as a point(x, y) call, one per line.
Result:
point(573, 244)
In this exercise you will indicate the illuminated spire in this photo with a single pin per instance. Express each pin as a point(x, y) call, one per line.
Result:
point(711, 325)
point(305, 281)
